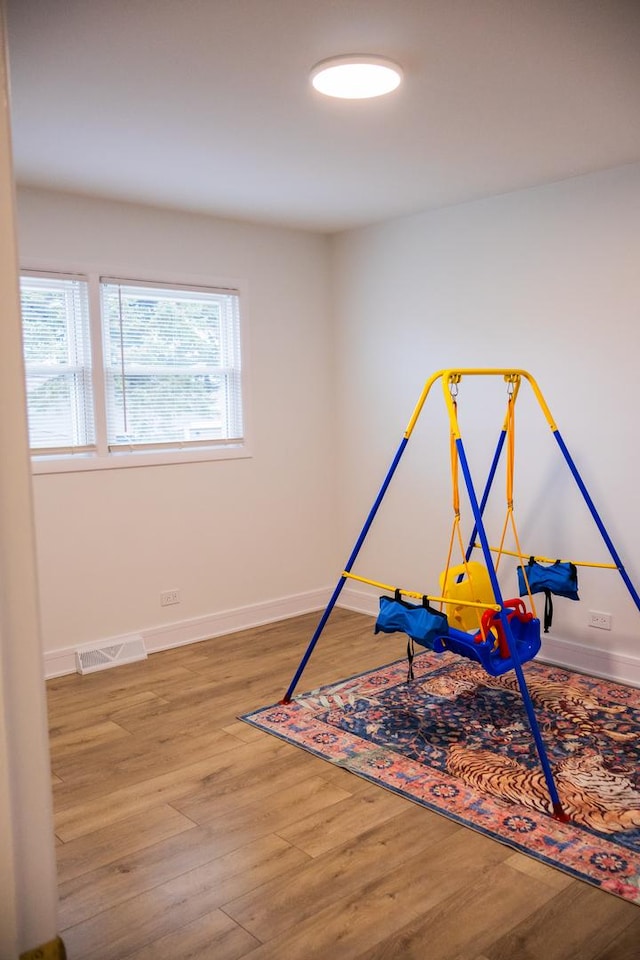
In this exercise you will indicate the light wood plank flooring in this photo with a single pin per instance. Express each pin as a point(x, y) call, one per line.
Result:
point(185, 833)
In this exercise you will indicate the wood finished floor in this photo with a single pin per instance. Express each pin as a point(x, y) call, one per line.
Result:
point(185, 833)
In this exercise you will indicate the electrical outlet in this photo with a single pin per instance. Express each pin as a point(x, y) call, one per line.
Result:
point(168, 597)
point(600, 620)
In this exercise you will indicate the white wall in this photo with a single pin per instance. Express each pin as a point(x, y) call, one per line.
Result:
point(255, 536)
point(544, 279)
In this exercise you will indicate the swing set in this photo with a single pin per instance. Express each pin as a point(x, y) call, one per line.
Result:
point(474, 620)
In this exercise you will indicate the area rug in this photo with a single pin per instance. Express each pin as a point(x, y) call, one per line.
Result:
point(457, 741)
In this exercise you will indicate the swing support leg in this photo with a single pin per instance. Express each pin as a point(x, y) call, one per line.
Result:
point(343, 579)
point(314, 639)
point(597, 519)
point(558, 811)
point(487, 490)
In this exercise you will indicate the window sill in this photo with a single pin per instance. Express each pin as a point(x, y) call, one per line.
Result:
point(81, 462)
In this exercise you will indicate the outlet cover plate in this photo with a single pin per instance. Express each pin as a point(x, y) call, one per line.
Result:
point(602, 621)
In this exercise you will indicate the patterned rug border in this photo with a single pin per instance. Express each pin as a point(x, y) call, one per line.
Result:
point(555, 831)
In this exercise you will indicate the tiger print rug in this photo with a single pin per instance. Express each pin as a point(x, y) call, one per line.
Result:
point(457, 741)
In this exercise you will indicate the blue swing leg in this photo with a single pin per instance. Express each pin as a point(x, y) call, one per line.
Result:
point(350, 562)
point(558, 811)
point(598, 521)
point(486, 492)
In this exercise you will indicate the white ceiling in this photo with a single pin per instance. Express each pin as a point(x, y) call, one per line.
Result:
point(205, 104)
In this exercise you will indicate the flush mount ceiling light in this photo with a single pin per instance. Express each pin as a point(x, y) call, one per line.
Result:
point(356, 76)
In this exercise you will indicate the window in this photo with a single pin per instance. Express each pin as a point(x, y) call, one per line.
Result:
point(55, 323)
point(166, 377)
point(172, 365)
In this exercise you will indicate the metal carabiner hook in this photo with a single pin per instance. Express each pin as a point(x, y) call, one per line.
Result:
point(512, 380)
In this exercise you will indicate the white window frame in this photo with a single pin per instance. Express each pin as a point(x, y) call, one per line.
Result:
point(102, 457)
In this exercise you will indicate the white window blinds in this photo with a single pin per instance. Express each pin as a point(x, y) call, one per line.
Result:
point(55, 323)
point(172, 365)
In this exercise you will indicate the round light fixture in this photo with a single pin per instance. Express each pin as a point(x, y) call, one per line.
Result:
point(356, 77)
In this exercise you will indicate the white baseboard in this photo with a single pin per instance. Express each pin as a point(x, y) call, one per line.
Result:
point(57, 663)
point(591, 660)
point(563, 653)
point(360, 601)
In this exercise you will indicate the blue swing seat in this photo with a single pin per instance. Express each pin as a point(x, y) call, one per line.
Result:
point(493, 652)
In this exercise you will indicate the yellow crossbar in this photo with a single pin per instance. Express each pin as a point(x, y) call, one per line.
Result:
point(419, 596)
point(525, 555)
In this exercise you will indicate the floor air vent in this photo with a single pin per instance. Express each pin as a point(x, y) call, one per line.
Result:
point(110, 654)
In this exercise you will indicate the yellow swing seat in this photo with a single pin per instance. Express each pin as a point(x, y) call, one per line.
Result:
point(468, 582)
